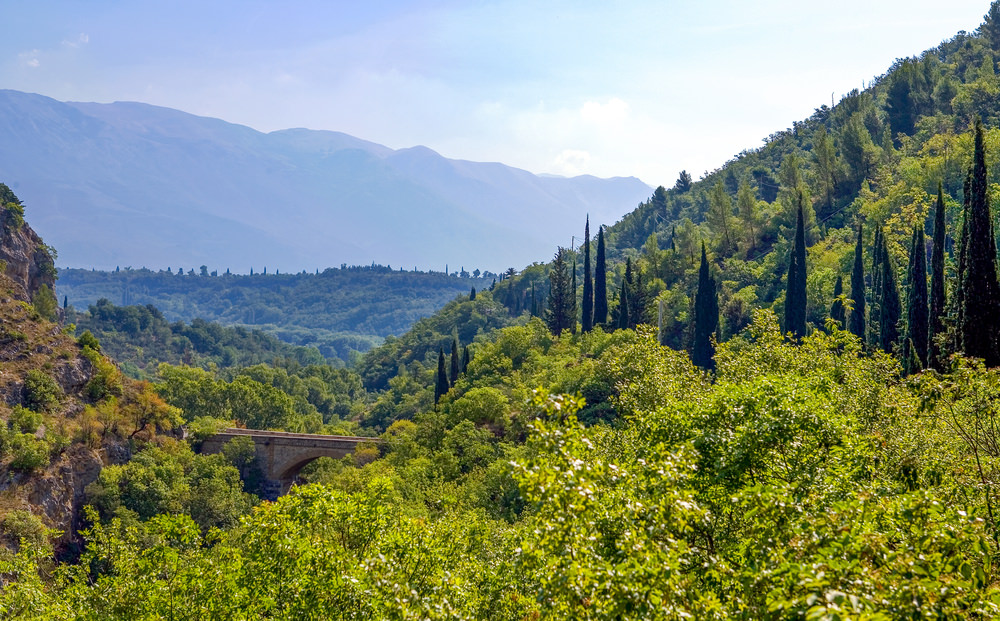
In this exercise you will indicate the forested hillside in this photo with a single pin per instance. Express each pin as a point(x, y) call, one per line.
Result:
point(338, 311)
point(768, 394)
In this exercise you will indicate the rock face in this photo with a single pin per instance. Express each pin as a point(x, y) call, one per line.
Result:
point(59, 492)
point(29, 263)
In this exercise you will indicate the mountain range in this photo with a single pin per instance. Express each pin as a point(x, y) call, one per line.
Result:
point(130, 184)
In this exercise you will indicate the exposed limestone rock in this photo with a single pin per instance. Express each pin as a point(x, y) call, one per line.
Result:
point(29, 264)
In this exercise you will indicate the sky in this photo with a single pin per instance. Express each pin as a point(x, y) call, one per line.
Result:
point(608, 88)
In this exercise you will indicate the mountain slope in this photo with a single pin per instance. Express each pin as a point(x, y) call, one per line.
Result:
point(133, 184)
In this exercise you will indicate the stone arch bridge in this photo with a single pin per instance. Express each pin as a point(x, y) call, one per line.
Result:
point(282, 455)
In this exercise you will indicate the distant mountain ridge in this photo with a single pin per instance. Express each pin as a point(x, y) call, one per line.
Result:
point(140, 185)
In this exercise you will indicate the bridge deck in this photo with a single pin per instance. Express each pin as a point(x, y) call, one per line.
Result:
point(285, 435)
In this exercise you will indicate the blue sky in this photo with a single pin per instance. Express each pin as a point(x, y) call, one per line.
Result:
point(605, 88)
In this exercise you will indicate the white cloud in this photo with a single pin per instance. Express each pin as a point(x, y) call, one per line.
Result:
point(81, 39)
point(615, 112)
point(571, 162)
point(29, 59)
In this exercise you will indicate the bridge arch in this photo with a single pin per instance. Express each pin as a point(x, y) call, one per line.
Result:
point(281, 456)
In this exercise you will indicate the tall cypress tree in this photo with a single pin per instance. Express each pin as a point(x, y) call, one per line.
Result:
point(587, 319)
point(534, 303)
point(938, 303)
point(980, 326)
point(795, 293)
point(891, 311)
point(857, 320)
point(600, 282)
point(465, 359)
point(572, 301)
point(875, 312)
point(441, 387)
point(915, 343)
point(837, 311)
point(453, 375)
point(706, 317)
point(637, 305)
point(623, 312)
point(558, 315)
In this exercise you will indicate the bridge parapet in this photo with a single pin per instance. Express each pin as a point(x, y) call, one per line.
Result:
point(281, 455)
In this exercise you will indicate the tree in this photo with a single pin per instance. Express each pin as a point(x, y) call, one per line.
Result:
point(558, 315)
point(837, 311)
point(706, 317)
point(683, 182)
point(857, 320)
point(572, 301)
point(719, 216)
point(915, 342)
point(587, 319)
point(441, 387)
point(746, 204)
point(795, 292)
point(875, 313)
point(827, 167)
point(891, 310)
point(990, 29)
point(453, 374)
point(623, 311)
point(938, 302)
point(465, 358)
point(472, 295)
point(600, 281)
point(980, 325)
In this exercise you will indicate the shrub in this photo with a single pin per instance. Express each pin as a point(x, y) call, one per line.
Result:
point(42, 394)
point(30, 453)
point(87, 339)
point(24, 420)
point(20, 525)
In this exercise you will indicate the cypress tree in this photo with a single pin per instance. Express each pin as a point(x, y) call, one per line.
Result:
point(441, 387)
point(706, 317)
point(857, 320)
point(587, 319)
point(837, 311)
point(534, 304)
point(980, 325)
point(623, 312)
point(938, 303)
point(638, 303)
point(958, 300)
point(915, 344)
point(673, 236)
point(465, 359)
point(892, 310)
point(472, 294)
point(558, 315)
point(875, 312)
point(453, 375)
point(600, 282)
point(572, 302)
point(795, 293)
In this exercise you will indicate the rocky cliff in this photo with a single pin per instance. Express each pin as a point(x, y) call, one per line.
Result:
point(27, 261)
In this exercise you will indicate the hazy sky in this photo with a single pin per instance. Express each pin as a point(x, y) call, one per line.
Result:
point(606, 88)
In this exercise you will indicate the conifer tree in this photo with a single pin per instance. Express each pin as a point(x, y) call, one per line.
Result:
point(795, 293)
point(572, 302)
point(453, 375)
point(534, 304)
point(958, 299)
point(623, 312)
point(600, 281)
point(441, 386)
point(637, 305)
point(587, 318)
point(891, 311)
point(857, 320)
point(558, 315)
point(875, 312)
point(706, 317)
point(980, 325)
point(465, 359)
point(472, 294)
point(837, 310)
point(938, 303)
point(673, 236)
point(915, 343)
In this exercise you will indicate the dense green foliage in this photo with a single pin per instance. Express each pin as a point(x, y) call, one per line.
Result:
point(338, 311)
point(603, 474)
point(140, 338)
